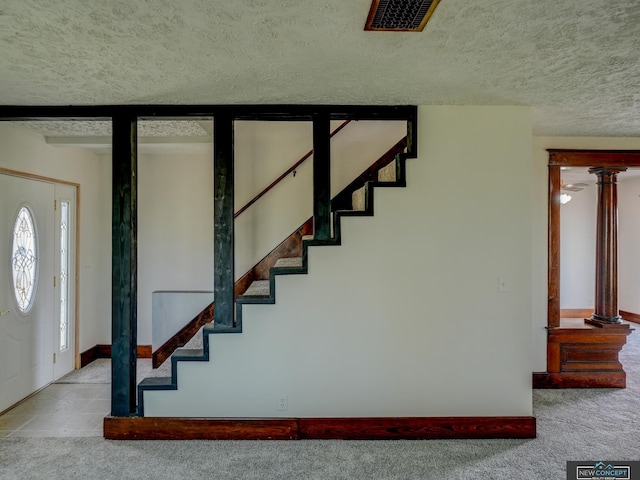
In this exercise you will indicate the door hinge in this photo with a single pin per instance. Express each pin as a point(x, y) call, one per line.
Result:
point(55, 204)
point(54, 357)
point(54, 281)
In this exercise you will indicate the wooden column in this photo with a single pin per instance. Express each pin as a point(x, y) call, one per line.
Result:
point(124, 267)
point(553, 269)
point(321, 177)
point(223, 205)
point(606, 290)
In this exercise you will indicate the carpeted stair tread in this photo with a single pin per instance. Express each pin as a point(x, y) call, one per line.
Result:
point(188, 353)
point(259, 288)
point(388, 173)
point(292, 262)
point(155, 382)
point(358, 200)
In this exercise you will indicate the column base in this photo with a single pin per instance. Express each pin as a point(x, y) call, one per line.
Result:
point(602, 322)
point(584, 356)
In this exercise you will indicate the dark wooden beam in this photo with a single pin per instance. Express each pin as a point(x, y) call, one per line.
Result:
point(321, 176)
point(239, 112)
point(124, 267)
point(592, 158)
point(553, 272)
point(223, 206)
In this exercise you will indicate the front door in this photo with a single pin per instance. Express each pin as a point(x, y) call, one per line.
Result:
point(27, 305)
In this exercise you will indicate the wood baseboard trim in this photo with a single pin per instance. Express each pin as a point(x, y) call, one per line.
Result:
point(630, 317)
point(545, 380)
point(104, 351)
point(378, 428)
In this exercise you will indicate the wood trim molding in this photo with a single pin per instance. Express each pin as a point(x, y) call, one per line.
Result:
point(630, 317)
point(576, 312)
point(584, 357)
point(595, 372)
point(545, 380)
point(592, 158)
point(104, 351)
point(378, 428)
point(553, 261)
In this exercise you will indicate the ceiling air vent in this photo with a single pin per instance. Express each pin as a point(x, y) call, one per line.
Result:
point(400, 15)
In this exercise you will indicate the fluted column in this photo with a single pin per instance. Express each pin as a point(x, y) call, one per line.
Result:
point(606, 289)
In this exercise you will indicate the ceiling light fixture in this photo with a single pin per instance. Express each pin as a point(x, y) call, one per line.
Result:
point(565, 198)
point(400, 15)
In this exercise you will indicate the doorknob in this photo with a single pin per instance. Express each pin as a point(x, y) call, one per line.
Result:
point(4, 312)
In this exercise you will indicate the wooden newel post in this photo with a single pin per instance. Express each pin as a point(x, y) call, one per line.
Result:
point(321, 177)
point(223, 230)
point(606, 289)
point(124, 267)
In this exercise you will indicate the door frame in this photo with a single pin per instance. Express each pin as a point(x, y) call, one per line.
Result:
point(571, 158)
point(31, 176)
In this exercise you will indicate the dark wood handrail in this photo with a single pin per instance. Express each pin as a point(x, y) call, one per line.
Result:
point(289, 170)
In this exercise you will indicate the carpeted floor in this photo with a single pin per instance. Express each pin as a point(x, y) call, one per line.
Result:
point(587, 425)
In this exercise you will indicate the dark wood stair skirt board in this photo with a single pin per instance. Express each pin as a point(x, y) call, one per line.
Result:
point(377, 428)
point(584, 358)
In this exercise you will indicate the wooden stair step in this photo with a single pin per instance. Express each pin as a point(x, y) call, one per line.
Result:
point(155, 383)
point(188, 353)
point(292, 262)
point(258, 288)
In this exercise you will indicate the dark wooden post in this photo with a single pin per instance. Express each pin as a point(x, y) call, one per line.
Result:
point(223, 205)
point(124, 267)
point(321, 177)
point(606, 291)
point(553, 266)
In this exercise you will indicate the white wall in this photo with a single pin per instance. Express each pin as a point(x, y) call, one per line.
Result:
point(629, 243)
point(27, 152)
point(405, 317)
point(578, 248)
point(175, 229)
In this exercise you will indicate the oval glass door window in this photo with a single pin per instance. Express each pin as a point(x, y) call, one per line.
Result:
point(24, 260)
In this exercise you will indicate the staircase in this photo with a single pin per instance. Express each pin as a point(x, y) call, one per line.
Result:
point(355, 200)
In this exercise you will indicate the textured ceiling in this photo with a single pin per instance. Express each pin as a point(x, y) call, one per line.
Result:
point(575, 61)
